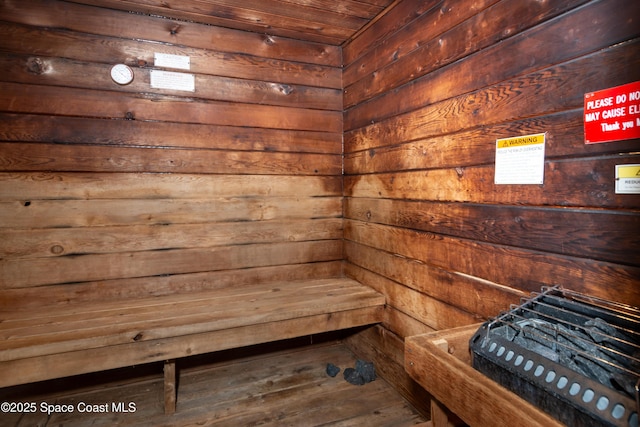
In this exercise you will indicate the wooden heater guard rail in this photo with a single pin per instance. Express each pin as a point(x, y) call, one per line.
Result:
point(80, 337)
point(441, 363)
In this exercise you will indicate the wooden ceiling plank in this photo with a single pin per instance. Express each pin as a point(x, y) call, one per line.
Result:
point(344, 7)
point(279, 8)
point(381, 3)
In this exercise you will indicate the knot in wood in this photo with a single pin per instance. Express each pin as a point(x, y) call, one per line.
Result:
point(57, 249)
point(286, 89)
point(36, 66)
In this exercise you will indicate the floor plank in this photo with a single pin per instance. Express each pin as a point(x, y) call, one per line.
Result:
point(271, 388)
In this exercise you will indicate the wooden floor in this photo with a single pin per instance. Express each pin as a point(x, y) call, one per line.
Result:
point(282, 388)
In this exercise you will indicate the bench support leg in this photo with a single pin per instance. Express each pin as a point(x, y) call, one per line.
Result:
point(170, 387)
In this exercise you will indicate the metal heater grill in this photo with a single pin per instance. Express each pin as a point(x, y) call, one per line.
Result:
point(576, 357)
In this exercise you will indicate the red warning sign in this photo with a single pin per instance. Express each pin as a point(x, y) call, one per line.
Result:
point(612, 114)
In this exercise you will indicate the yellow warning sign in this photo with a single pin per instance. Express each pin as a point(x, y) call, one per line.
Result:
point(628, 179)
point(520, 141)
point(520, 160)
point(628, 171)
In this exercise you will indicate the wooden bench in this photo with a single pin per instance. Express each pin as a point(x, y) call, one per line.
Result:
point(88, 336)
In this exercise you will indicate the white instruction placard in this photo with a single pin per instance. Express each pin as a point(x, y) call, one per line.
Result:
point(168, 60)
point(520, 160)
point(627, 179)
point(173, 81)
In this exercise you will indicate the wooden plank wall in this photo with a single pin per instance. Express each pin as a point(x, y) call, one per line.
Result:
point(428, 90)
point(114, 191)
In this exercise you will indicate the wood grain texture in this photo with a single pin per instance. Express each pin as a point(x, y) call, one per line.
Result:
point(109, 190)
point(135, 288)
point(386, 351)
point(46, 242)
point(17, 273)
point(453, 30)
point(399, 14)
point(306, 21)
point(140, 54)
point(500, 64)
point(54, 214)
point(471, 296)
point(18, 186)
point(104, 187)
point(83, 19)
point(256, 387)
point(144, 134)
point(425, 100)
point(411, 311)
point(516, 97)
point(470, 147)
point(84, 158)
point(113, 322)
point(590, 185)
point(504, 268)
point(469, 394)
point(576, 232)
point(31, 99)
point(150, 329)
point(170, 387)
point(64, 72)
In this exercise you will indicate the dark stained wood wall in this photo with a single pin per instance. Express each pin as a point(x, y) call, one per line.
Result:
point(428, 90)
point(110, 190)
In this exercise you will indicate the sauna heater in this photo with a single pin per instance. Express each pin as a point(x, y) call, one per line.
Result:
point(574, 356)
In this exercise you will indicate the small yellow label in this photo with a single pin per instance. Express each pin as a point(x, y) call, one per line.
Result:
point(520, 141)
point(628, 171)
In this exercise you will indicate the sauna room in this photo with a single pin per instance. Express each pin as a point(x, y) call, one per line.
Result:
point(319, 212)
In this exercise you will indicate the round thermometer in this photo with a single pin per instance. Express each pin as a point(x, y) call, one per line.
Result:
point(122, 74)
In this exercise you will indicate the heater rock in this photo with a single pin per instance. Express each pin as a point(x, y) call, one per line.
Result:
point(363, 373)
point(332, 370)
point(353, 377)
